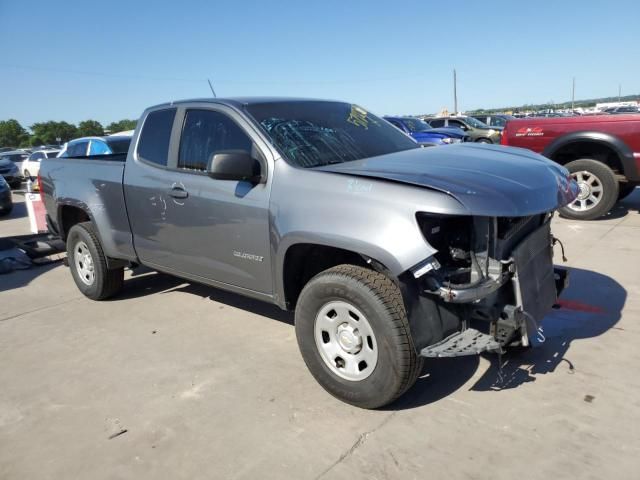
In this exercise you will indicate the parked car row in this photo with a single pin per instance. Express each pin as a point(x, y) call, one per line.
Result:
point(475, 129)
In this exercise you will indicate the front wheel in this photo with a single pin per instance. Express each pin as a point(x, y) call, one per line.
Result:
point(483, 140)
point(598, 190)
point(88, 264)
point(354, 336)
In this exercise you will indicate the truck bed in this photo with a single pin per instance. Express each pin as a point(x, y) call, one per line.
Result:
point(98, 181)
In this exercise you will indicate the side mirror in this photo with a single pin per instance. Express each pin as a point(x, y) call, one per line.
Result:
point(234, 165)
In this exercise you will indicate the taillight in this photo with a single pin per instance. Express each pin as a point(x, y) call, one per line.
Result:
point(505, 133)
point(39, 184)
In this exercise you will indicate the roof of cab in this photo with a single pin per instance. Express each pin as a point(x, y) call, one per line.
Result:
point(239, 102)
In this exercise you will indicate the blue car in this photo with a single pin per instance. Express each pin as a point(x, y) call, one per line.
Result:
point(425, 134)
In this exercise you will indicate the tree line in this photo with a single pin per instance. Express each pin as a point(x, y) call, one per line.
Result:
point(12, 134)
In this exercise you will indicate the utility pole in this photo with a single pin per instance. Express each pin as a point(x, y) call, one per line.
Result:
point(619, 91)
point(573, 93)
point(455, 93)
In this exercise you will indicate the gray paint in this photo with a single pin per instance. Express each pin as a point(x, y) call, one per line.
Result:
point(367, 206)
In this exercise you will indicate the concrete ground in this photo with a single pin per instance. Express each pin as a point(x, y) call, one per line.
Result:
point(176, 380)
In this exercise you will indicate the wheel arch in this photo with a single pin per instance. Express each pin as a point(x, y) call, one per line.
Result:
point(70, 214)
point(604, 147)
point(302, 260)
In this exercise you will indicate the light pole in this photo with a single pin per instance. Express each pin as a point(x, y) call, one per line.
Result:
point(455, 93)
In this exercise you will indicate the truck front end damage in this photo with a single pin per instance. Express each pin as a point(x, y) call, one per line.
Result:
point(494, 274)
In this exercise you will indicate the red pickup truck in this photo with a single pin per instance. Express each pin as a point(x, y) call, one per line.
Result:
point(601, 152)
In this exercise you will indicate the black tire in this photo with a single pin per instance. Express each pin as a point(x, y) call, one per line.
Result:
point(609, 184)
point(483, 140)
point(626, 189)
point(106, 282)
point(380, 301)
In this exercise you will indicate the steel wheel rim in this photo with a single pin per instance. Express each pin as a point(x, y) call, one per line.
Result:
point(345, 341)
point(591, 191)
point(84, 263)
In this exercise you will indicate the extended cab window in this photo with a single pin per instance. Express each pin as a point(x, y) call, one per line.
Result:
point(205, 133)
point(153, 145)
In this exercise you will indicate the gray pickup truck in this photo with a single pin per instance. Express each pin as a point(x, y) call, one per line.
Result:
point(388, 252)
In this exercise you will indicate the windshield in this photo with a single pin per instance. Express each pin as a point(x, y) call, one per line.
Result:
point(501, 121)
point(415, 125)
point(475, 123)
point(119, 145)
point(312, 133)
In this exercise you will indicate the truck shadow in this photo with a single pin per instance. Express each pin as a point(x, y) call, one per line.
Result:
point(144, 282)
point(575, 320)
point(631, 204)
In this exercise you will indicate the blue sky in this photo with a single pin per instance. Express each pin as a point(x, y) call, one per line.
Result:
point(73, 60)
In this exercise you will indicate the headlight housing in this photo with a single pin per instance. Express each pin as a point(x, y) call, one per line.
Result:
point(450, 140)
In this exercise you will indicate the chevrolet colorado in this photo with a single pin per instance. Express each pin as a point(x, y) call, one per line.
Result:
point(388, 252)
point(602, 153)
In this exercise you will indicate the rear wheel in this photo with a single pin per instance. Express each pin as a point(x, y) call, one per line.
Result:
point(626, 189)
point(88, 264)
point(353, 333)
point(598, 190)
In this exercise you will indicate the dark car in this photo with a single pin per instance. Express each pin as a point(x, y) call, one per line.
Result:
point(624, 109)
point(425, 134)
point(6, 203)
point(10, 163)
point(477, 131)
point(498, 120)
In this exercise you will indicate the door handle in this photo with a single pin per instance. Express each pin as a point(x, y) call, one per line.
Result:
point(178, 192)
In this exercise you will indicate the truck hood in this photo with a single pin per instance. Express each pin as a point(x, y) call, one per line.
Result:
point(488, 180)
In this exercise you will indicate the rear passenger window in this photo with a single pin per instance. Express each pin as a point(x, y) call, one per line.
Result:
point(156, 133)
point(205, 133)
point(436, 123)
